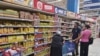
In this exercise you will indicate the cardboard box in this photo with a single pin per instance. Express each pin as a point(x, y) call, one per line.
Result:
point(8, 0)
point(22, 14)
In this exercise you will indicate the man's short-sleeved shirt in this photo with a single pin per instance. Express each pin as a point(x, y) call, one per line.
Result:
point(75, 32)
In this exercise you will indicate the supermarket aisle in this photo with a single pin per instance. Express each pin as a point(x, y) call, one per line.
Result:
point(95, 48)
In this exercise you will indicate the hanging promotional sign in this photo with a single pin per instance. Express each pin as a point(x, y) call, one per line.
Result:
point(48, 8)
point(43, 6)
point(38, 5)
point(60, 11)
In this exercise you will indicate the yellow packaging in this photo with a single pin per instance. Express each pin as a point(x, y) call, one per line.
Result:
point(21, 2)
point(8, 0)
point(1, 31)
point(26, 2)
point(1, 12)
point(5, 30)
point(20, 38)
point(21, 30)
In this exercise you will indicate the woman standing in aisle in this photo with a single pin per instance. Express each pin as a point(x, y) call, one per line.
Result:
point(56, 45)
point(84, 40)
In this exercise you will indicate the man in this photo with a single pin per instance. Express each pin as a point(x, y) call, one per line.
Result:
point(75, 33)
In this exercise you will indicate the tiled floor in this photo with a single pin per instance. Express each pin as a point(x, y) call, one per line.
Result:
point(94, 50)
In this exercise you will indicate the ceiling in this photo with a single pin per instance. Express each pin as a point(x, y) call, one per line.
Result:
point(59, 3)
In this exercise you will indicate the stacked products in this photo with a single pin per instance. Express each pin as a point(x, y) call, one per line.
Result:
point(26, 31)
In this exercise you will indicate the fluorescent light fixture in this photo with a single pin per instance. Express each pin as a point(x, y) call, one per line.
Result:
point(55, 1)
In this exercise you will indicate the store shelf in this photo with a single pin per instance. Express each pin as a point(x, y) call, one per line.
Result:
point(69, 27)
point(4, 26)
point(68, 31)
point(65, 22)
point(41, 50)
point(41, 44)
point(15, 34)
point(26, 8)
point(45, 32)
point(63, 30)
point(20, 7)
point(39, 39)
point(14, 42)
point(15, 19)
point(47, 21)
point(28, 54)
point(64, 35)
point(46, 26)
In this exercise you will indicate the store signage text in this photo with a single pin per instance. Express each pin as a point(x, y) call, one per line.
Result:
point(43, 6)
point(60, 11)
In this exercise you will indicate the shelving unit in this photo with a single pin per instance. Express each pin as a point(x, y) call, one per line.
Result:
point(32, 30)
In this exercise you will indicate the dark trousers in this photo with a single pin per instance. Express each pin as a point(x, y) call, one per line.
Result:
point(56, 51)
point(84, 48)
point(76, 50)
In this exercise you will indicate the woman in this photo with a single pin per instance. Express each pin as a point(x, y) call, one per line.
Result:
point(56, 45)
point(84, 40)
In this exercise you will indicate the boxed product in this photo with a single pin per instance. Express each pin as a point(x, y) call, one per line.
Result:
point(8, 0)
point(12, 39)
point(28, 3)
point(19, 38)
point(1, 12)
point(27, 14)
point(1, 31)
point(23, 2)
point(31, 16)
point(10, 13)
point(22, 14)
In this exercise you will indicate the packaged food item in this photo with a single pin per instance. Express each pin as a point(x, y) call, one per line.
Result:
point(5, 30)
point(1, 31)
point(27, 14)
point(19, 38)
point(10, 13)
point(30, 3)
point(21, 2)
point(8, 0)
point(1, 12)
point(31, 17)
point(22, 14)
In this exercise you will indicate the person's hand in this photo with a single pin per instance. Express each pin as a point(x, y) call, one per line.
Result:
point(73, 40)
point(76, 41)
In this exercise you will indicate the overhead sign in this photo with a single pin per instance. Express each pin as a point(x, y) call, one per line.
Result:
point(73, 5)
point(38, 5)
point(60, 11)
point(48, 8)
point(43, 6)
point(91, 4)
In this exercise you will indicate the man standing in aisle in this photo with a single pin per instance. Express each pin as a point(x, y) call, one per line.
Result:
point(75, 33)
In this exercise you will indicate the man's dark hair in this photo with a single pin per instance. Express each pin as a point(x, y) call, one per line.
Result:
point(87, 26)
point(77, 23)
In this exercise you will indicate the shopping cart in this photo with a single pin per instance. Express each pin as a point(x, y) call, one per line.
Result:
point(68, 47)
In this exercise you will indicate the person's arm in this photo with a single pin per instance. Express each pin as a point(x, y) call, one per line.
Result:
point(71, 34)
point(79, 37)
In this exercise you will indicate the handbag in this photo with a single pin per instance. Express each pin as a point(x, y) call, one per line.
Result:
point(91, 39)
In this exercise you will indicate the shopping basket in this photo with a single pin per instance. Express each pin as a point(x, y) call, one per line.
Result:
point(68, 47)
